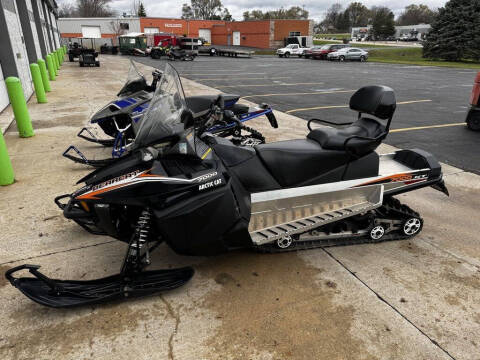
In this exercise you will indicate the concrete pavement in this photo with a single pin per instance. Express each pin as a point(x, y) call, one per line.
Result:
point(414, 299)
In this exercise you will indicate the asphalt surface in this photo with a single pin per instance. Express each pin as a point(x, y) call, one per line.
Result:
point(427, 96)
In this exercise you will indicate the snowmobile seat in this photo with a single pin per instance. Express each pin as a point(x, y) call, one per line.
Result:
point(364, 135)
point(305, 162)
point(200, 105)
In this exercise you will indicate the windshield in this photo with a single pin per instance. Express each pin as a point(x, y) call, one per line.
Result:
point(163, 116)
point(325, 47)
point(135, 81)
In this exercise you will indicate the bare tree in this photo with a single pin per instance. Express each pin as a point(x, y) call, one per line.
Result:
point(94, 8)
point(116, 28)
point(66, 10)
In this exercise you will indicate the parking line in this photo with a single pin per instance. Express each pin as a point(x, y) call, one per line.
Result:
point(427, 127)
point(244, 78)
point(306, 93)
point(256, 85)
point(346, 106)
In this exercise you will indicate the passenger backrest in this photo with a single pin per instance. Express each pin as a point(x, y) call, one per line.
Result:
point(376, 100)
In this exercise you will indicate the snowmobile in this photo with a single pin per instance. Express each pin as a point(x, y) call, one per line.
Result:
point(121, 118)
point(179, 54)
point(330, 188)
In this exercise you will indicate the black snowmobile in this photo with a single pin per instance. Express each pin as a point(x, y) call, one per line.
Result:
point(203, 195)
point(121, 118)
point(175, 53)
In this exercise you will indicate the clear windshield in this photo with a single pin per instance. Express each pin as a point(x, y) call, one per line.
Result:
point(163, 117)
point(135, 81)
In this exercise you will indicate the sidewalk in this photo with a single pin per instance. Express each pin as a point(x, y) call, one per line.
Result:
point(413, 299)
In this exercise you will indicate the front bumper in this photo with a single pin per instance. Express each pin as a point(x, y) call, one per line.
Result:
point(73, 210)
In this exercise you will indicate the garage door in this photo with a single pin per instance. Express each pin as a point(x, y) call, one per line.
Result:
point(91, 32)
point(151, 30)
point(236, 38)
point(206, 34)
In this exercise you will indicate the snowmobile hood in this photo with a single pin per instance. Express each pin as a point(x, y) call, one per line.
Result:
point(136, 160)
point(132, 105)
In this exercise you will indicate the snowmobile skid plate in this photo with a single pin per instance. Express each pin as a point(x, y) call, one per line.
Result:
point(70, 293)
point(92, 138)
point(81, 159)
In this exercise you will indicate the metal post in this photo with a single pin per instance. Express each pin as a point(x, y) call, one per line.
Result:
point(59, 56)
point(6, 169)
point(38, 83)
point(50, 66)
point(19, 106)
point(55, 63)
point(44, 74)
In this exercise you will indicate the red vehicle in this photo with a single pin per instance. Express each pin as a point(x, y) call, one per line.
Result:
point(165, 39)
point(327, 49)
point(473, 116)
point(308, 53)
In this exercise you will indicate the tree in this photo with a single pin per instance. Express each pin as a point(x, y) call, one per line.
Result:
point(343, 22)
point(295, 12)
point(416, 14)
point(66, 10)
point(187, 12)
point(455, 32)
point(141, 10)
point(206, 9)
point(383, 24)
point(94, 8)
point(358, 14)
point(332, 14)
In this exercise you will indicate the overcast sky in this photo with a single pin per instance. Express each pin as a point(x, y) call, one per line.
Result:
point(316, 8)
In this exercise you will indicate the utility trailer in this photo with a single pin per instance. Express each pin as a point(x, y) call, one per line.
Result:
point(224, 51)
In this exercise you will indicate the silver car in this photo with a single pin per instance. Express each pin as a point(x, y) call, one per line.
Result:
point(348, 53)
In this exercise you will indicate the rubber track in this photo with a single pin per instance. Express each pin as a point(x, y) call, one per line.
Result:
point(390, 205)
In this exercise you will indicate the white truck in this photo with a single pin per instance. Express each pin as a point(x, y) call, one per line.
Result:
point(291, 49)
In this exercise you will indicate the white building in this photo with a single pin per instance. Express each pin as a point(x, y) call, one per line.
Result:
point(419, 31)
point(28, 32)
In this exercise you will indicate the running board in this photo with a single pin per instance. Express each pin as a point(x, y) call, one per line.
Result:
point(281, 213)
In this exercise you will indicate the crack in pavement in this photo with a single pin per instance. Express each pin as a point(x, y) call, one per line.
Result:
point(433, 341)
point(176, 317)
point(58, 252)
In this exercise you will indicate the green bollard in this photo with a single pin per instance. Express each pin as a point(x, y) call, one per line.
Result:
point(50, 66)
point(55, 63)
point(59, 57)
point(6, 169)
point(43, 73)
point(19, 106)
point(38, 83)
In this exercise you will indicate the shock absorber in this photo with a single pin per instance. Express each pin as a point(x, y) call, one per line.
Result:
point(138, 253)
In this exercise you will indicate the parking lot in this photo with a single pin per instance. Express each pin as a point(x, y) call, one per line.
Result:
point(415, 299)
point(432, 101)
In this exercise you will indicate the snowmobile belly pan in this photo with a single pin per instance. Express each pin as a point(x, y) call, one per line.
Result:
point(280, 213)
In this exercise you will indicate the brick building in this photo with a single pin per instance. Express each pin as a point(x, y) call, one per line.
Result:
point(260, 34)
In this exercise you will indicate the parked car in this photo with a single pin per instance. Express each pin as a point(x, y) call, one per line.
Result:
point(327, 49)
point(348, 54)
point(291, 49)
point(309, 52)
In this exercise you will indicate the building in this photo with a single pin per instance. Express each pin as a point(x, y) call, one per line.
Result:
point(28, 32)
point(260, 34)
point(418, 31)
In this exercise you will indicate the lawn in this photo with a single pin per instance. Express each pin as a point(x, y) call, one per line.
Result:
point(337, 36)
point(413, 56)
point(353, 44)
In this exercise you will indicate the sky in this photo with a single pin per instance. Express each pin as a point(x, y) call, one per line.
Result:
point(316, 8)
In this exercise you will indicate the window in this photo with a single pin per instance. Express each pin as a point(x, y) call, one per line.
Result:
point(294, 33)
point(124, 26)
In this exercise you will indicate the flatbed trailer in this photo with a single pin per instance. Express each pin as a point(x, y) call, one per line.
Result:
point(224, 51)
